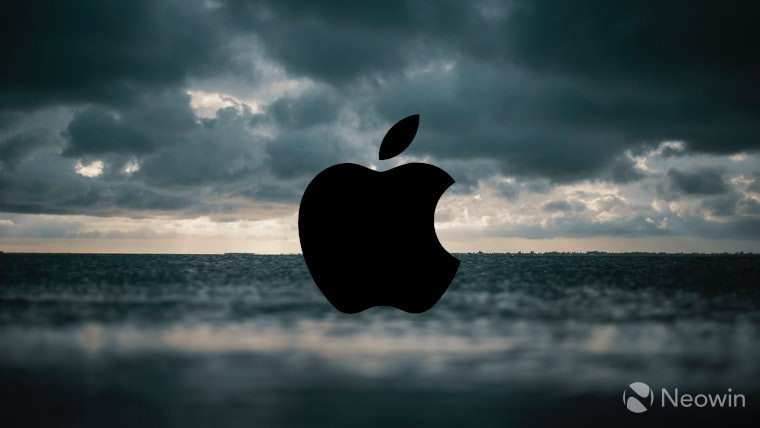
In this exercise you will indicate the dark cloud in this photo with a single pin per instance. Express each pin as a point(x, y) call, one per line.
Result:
point(469, 175)
point(723, 205)
point(477, 112)
point(103, 50)
point(550, 90)
point(563, 206)
point(743, 228)
point(217, 152)
point(313, 108)
point(701, 181)
point(137, 198)
point(341, 42)
point(15, 148)
point(188, 165)
point(180, 164)
point(540, 92)
point(754, 186)
point(557, 206)
point(671, 151)
point(597, 36)
point(690, 66)
point(49, 184)
point(749, 207)
point(304, 154)
point(95, 131)
point(622, 170)
point(24, 226)
point(508, 190)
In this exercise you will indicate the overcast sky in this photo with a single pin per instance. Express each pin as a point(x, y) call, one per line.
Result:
point(195, 126)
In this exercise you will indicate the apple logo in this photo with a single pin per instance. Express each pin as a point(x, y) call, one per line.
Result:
point(368, 237)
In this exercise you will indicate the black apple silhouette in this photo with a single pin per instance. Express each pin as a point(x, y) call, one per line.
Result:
point(368, 237)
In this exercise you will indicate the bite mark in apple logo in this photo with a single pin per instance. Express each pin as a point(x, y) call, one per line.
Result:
point(368, 237)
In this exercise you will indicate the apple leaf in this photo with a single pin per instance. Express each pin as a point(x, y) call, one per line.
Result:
point(399, 137)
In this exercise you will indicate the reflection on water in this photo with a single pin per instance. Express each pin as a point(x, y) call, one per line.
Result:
point(249, 341)
point(594, 353)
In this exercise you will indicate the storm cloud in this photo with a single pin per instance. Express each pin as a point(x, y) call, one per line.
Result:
point(704, 181)
point(228, 108)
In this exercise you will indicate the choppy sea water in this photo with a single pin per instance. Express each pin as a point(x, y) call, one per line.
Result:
point(247, 340)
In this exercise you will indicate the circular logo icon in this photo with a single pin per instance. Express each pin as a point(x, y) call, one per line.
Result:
point(638, 397)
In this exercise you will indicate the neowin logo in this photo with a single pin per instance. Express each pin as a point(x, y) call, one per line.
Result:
point(638, 397)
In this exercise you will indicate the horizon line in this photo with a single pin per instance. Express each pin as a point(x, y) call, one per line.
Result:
point(522, 253)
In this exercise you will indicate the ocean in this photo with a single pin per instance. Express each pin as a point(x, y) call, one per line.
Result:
point(91, 340)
